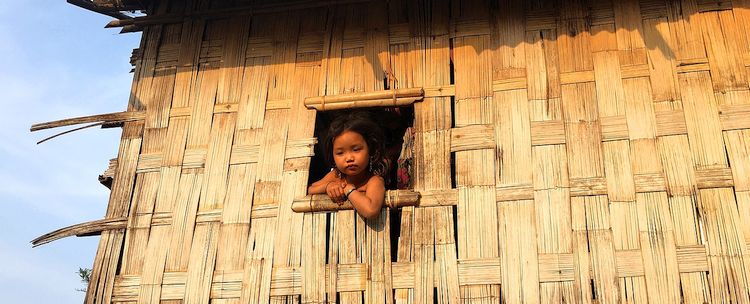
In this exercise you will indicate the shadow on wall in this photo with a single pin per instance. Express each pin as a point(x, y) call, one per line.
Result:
point(341, 36)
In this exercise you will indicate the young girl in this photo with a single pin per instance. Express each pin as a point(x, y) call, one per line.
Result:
point(354, 145)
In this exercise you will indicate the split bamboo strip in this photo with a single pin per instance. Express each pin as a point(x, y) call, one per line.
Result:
point(701, 118)
point(625, 224)
point(630, 41)
point(724, 58)
point(159, 102)
point(377, 255)
point(233, 59)
point(143, 93)
point(313, 257)
point(518, 257)
point(472, 137)
point(439, 91)
point(82, 229)
point(663, 67)
point(287, 246)
point(658, 246)
point(108, 118)
point(553, 220)
point(376, 46)
point(680, 175)
point(727, 250)
point(286, 26)
point(256, 276)
point(154, 265)
point(139, 220)
point(542, 69)
point(507, 32)
point(591, 213)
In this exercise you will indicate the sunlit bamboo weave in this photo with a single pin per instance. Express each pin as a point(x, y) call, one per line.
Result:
point(571, 151)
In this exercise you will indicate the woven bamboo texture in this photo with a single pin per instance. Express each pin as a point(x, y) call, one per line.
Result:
point(600, 151)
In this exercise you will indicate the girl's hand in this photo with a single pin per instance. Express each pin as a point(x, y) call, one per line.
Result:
point(335, 191)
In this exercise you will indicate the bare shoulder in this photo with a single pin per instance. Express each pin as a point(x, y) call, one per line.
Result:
point(376, 181)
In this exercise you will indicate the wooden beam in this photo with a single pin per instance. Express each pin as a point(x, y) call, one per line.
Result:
point(105, 118)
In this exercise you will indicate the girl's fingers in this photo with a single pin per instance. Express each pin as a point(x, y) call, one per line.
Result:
point(332, 194)
point(340, 193)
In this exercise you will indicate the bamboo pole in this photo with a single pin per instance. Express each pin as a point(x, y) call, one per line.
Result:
point(321, 202)
point(106, 118)
point(396, 102)
point(82, 229)
point(389, 94)
point(365, 99)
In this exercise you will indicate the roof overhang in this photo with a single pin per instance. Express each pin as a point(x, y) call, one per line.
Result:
point(121, 5)
point(112, 8)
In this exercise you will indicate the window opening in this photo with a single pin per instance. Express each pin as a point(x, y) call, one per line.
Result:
point(395, 123)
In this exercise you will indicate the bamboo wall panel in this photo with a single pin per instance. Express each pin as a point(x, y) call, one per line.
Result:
point(572, 151)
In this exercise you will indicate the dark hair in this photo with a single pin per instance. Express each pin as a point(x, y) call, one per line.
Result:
point(361, 123)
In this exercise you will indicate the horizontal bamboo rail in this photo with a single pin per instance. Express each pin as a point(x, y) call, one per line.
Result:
point(321, 202)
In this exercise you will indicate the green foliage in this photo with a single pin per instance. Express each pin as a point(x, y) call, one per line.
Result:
point(85, 275)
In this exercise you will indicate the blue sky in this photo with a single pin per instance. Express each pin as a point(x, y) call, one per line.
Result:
point(56, 61)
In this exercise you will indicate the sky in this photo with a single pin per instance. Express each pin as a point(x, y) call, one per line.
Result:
point(56, 61)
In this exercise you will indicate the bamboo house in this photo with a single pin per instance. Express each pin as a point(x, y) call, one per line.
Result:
point(563, 151)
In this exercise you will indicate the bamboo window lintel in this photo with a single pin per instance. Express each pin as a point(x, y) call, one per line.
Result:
point(386, 98)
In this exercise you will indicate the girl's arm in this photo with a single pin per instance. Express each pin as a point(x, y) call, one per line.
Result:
point(329, 184)
point(319, 187)
point(369, 203)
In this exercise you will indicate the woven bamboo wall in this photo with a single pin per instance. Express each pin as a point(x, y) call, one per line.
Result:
point(601, 154)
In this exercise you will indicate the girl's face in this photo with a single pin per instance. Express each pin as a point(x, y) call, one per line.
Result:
point(350, 153)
